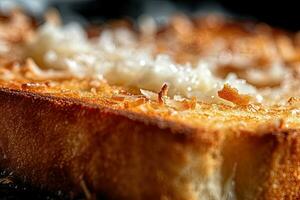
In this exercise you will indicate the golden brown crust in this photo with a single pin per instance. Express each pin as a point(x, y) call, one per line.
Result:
point(58, 142)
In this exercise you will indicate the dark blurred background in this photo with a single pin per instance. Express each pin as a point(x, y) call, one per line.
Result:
point(283, 14)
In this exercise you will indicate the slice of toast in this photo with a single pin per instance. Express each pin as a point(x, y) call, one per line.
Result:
point(84, 135)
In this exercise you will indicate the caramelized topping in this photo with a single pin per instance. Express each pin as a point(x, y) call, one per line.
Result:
point(163, 93)
point(231, 94)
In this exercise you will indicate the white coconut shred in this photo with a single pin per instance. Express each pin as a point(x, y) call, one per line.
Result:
point(117, 56)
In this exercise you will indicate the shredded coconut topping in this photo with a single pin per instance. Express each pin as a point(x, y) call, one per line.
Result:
point(117, 56)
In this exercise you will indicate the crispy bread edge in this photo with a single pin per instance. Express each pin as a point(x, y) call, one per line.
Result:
point(66, 144)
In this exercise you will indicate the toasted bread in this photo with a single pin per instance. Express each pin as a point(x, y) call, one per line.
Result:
point(87, 135)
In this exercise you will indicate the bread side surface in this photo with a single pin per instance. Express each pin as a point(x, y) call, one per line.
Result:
point(262, 166)
point(66, 144)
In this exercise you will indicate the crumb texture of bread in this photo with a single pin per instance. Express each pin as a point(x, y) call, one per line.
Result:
point(285, 165)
